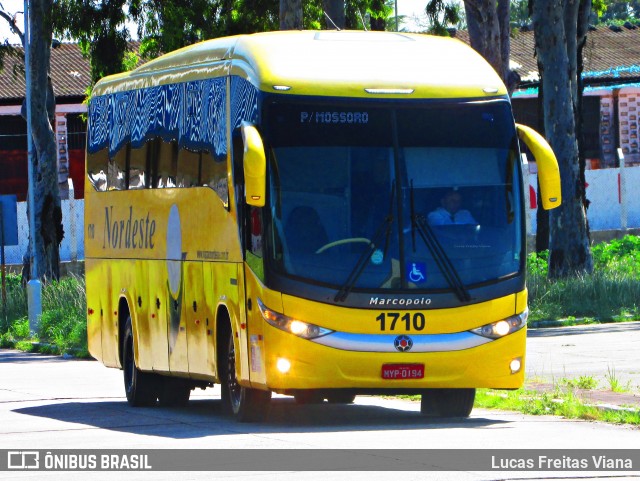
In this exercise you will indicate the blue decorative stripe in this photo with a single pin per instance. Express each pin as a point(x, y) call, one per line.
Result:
point(244, 102)
point(193, 113)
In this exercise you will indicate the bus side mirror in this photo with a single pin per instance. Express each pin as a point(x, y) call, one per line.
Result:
point(548, 171)
point(255, 166)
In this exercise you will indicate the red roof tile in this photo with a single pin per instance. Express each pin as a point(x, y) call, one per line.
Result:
point(608, 55)
point(69, 73)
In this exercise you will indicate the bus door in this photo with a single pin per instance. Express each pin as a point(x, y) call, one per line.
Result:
point(254, 274)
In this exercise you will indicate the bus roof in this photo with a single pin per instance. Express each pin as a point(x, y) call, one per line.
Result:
point(326, 63)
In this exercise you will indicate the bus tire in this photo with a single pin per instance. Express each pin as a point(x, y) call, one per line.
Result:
point(174, 392)
point(447, 403)
point(341, 398)
point(246, 404)
point(140, 387)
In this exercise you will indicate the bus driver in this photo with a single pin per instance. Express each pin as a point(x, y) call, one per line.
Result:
point(450, 213)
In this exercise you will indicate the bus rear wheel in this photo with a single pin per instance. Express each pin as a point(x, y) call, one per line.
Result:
point(140, 387)
point(246, 404)
point(447, 403)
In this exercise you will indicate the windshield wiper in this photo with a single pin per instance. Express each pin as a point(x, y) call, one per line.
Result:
point(437, 251)
point(363, 260)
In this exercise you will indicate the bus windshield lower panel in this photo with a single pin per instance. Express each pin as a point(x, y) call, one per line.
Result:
point(354, 190)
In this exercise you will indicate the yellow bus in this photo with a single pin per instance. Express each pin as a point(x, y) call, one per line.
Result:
point(318, 214)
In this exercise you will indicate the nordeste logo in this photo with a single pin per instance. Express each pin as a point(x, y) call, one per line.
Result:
point(175, 281)
point(174, 250)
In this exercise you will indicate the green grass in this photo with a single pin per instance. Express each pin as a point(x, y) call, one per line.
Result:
point(610, 294)
point(557, 403)
point(582, 382)
point(62, 326)
point(615, 384)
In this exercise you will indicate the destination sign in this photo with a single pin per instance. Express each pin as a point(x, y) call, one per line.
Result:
point(327, 117)
point(324, 123)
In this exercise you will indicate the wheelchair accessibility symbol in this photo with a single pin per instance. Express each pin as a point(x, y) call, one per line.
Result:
point(416, 272)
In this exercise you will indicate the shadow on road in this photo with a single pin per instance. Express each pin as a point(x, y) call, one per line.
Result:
point(204, 417)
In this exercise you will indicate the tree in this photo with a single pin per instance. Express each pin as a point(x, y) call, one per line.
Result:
point(489, 34)
point(489, 31)
point(335, 11)
point(378, 12)
point(99, 28)
point(618, 11)
point(290, 14)
point(167, 26)
point(6, 48)
point(441, 15)
point(560, 28)
point(47, 211)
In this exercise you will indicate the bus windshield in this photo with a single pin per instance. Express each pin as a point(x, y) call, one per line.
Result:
point(424, 197)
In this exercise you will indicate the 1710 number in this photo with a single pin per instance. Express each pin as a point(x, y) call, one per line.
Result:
point(388, 321)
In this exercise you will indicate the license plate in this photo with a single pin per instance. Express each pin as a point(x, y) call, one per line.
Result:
point(402, 371)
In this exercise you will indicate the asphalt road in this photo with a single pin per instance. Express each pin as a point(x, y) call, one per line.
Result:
point(606, 352)
point(48, 402)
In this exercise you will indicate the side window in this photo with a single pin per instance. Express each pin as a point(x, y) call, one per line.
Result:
point(214, 174)
point(138, 171)
point(255, 229)
point(238, 172)
point(167, 164)
point(97, 169)
point(117, 170)
point(188, 168)
point(254, 241)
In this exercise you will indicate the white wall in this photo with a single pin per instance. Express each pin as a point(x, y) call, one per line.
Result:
point(609, 205)
point(72, 247)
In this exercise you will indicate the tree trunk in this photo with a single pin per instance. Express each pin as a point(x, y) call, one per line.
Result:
point(290, 14)
point(584, 13)
point(542, 216)
point(569, 251)
point(335, 11)
point(48, 213)
point(488, 24)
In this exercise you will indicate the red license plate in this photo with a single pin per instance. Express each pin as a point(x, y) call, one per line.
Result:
point(402, 371)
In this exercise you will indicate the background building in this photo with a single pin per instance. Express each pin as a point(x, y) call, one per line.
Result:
point(611, 102)
point(70, 77)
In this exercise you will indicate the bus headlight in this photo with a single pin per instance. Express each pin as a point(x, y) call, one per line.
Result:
point(290, 325)
point(499, 329)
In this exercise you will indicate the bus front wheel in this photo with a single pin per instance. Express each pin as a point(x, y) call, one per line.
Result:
point(140, 387)
point(447, 403)
point(246, 404)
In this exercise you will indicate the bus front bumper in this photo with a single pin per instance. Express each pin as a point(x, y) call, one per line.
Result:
point(293, 363)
